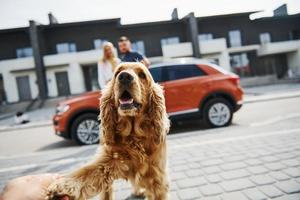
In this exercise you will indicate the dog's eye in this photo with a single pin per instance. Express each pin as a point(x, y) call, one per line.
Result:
point(142, 75)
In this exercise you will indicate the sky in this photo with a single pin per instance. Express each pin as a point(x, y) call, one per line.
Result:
point(17, 13)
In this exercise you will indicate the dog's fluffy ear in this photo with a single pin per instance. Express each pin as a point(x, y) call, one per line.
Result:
point(157, 113)
point(108, 115)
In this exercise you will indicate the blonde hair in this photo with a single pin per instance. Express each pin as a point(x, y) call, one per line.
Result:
point(112, 59)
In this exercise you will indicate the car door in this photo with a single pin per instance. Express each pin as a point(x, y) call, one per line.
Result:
point(183, 88)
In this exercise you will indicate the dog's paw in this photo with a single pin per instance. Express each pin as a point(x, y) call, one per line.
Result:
point(63, 187)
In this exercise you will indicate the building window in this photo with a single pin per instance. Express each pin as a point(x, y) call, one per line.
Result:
point(265, 38)
point(169, 40)
point(98, 43)
point(205, 36)
point(65, 47)
point(240, 64)
point(138, 46)
point(24, 52)
point(235, 39)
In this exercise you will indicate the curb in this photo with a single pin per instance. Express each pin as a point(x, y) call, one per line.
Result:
point(5, 116)
point(267, 97)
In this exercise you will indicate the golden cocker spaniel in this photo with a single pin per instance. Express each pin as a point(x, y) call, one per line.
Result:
point(134, 125)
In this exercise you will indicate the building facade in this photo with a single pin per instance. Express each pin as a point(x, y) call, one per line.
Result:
point(265, 47)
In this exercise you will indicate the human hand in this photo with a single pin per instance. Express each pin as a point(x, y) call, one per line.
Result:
point(32, 187)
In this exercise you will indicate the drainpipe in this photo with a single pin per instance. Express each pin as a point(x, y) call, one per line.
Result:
point(38, 60)
point(193, 31)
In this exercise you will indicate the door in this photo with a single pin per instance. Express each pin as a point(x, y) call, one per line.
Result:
point(183, 88)
point(90, 74)
point(23, 88)
point(62, 82)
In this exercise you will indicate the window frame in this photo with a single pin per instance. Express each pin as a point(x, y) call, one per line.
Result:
point(101, 42)
point(23, 52)
point(168, 40)
point(205, 36)
point(264, 34)
point(69, 46)
point(135, 43)
point(232, 41)
point(166, 68)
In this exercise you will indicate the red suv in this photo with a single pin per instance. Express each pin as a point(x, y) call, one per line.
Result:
point(193, 88)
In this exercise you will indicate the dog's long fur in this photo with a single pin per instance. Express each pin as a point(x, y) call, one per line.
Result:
point(133, 143)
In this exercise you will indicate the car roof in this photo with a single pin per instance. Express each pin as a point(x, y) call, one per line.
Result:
point(182, 61)
point(189, 61)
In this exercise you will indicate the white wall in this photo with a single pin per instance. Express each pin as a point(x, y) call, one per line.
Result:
point(51, 80)
point(213, 46)
point(9, 78)
point(278, 47)
point(76, 79)
point(293, 59)
point(70, 62)
point(177, 50)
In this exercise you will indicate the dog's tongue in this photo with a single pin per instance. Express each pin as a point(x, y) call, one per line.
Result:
point(126, 101)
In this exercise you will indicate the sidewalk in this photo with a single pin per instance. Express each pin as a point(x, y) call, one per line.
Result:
point(241, 168)
point(40, 117)
point(213, 166)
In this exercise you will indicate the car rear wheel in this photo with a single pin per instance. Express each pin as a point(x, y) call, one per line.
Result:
point(85, 129)
point(217, 112)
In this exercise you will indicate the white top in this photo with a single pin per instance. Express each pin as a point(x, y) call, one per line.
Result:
point(105, 72)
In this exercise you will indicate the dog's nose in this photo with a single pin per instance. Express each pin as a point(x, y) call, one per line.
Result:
point(125, 78)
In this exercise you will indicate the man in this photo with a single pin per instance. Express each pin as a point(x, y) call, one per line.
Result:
point(127, 55)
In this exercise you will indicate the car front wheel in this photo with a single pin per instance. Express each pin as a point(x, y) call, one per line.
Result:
point(217, 112)
point(85, 129)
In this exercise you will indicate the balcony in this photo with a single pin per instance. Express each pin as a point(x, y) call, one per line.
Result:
point(82, 57)
point(278, 47)
point(245, 48)
point(185, 49)
point(177, 50)
point(212, 46)
point(16, 64)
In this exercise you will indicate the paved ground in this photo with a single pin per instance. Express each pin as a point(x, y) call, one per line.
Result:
point(214, 165)
point(258, 157)
point(259, 114)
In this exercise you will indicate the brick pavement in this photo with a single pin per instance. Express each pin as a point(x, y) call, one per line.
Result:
point(210, 167)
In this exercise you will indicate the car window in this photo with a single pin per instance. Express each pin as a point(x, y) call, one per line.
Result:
point(183, 71)
point(158, 74)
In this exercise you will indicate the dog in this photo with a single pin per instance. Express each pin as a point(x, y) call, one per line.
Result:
point(134, 125)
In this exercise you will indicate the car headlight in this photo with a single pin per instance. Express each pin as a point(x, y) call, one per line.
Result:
point(61, 109)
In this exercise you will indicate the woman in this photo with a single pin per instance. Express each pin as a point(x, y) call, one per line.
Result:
point(107, 64)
